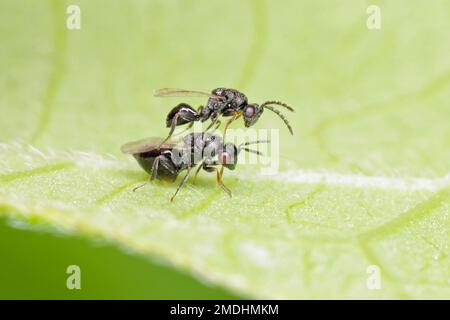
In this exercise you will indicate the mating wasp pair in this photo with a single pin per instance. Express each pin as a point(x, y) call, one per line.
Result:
point(164, 159)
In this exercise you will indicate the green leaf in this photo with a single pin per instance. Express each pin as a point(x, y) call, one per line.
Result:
point(364, 181)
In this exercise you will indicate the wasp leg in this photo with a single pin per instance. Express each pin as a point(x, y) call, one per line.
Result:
point(173, 124)
point(154, 172)
point(183, 181)
point(199, 112)
point(220, 173)
point(218, 123)
point(208, 168)
point(141, 185)
point(181, 132)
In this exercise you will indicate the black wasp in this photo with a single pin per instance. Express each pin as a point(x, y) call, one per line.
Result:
point(221, 102)
point(165, 160)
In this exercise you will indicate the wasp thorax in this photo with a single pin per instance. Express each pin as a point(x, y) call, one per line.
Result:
point(251, 114)
point(165, 159)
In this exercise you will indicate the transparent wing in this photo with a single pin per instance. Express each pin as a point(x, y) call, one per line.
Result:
point(174, 92)
point(145, 145)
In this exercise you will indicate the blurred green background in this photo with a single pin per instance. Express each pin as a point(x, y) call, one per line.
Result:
point(372, 102)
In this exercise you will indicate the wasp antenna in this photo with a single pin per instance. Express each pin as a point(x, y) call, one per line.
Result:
point(286, 122)
point(278, 103)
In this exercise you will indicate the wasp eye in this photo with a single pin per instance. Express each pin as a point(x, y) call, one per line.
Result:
point(249, 112)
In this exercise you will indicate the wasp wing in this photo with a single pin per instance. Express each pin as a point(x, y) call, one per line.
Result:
point(174, 92)
point(146, 145)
